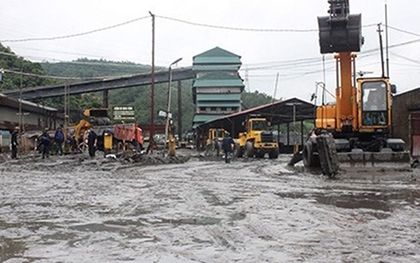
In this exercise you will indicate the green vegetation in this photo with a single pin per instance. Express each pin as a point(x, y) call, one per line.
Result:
point(13, 65)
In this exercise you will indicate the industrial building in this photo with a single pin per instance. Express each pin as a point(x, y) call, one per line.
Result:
point(217, 87)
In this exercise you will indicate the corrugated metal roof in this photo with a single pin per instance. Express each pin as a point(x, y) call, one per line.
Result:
point(202, 118)
point(217, 52)
point(28, 105)
point(206, 117)
point(215, 67)
point(219, 97)
point(217, 55)
point(278, 112)
point(220, 75)
point(217, 60)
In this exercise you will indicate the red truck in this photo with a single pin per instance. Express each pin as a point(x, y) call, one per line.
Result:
point(129, 133)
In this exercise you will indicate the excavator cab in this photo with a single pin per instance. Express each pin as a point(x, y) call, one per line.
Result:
point(375, 104)
point(340, 31)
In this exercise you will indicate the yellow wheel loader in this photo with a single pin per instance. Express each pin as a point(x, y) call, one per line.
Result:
point(257, 140)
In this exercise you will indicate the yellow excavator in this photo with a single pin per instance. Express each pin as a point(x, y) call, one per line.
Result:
point(358, 127)
point(91, 118)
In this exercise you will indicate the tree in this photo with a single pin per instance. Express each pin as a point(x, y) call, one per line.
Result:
point(19, 72)
point(253, 99)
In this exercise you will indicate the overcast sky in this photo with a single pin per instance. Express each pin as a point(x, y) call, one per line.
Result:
point(186, 28)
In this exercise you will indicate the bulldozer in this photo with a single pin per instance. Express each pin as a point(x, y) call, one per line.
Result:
point(257, 139)
point(357, 127)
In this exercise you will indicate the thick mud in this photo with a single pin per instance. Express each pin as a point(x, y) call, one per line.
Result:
point(193, 208)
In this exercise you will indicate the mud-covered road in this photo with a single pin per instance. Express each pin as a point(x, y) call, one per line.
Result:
point(80, 210)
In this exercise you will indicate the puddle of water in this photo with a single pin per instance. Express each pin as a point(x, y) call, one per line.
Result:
point(294, 195)
point(367, 201)
point(190, 221)
point(109, 226)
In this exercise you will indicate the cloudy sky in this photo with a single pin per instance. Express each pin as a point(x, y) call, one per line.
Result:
point(273, 37)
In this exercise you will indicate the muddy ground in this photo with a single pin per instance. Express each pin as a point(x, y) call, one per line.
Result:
point(198, 209)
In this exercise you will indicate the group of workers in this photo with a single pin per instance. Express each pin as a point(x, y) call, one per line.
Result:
point(45, 142)
point(227, 145)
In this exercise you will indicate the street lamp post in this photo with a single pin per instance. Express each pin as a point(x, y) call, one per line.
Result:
point(168, 111)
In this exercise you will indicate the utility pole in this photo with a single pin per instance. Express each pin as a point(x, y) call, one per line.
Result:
point(381, 50)
point(152, 102)
point(20, 96)
point(386, 40)
point(179, 110)
point(66, 109)
point(168, 103)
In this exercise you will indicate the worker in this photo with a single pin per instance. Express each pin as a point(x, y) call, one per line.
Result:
point(59, 139)
point(71, 140)
point(44, 143)
point(14, 142)
point(216, 146)
point(227, 146)
point(92, 139)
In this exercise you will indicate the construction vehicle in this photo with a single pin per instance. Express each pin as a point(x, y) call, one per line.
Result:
point(213, 140)
point(358, 126)
point(90, 118)
point(128, 134)
point(257, 140)
point(124, 135)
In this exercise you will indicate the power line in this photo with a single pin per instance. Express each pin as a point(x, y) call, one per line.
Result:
point(37, 75)
point(404, 31)
point(238, 28)
point(74, 35)
point(245, 29)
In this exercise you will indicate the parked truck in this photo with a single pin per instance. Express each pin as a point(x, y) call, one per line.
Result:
point(257, 139)
point(126, 135)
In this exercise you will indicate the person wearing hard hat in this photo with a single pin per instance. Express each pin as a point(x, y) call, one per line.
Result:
point(92, 139)
point(14, 142)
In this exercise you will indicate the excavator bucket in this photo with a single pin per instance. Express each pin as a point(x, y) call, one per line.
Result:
point(340, 34)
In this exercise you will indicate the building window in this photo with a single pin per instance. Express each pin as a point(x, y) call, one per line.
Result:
point(202, 108)
point(223, 109)
point(213, 109)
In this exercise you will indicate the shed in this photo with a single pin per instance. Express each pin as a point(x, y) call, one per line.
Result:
point(406, 120)
point(279, 112)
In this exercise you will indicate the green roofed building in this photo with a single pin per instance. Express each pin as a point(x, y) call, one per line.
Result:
point(218, 87)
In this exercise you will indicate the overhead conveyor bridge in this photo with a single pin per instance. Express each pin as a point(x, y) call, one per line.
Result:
point(144, 79)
